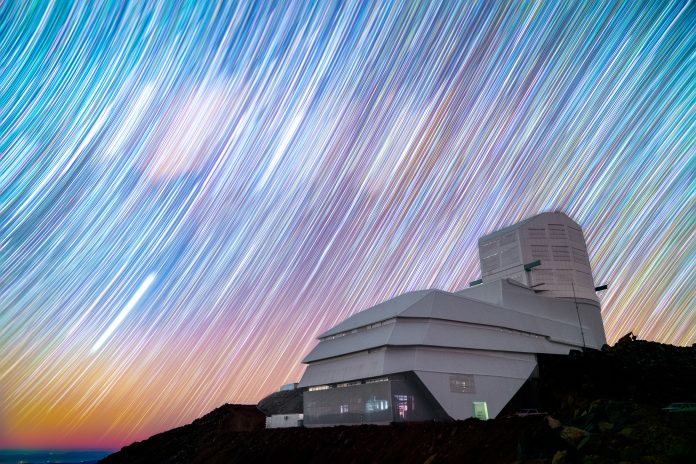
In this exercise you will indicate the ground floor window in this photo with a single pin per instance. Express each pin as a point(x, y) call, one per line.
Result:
point(397, 398)
point(402, 405)
point(376, 404)
point(480, 410)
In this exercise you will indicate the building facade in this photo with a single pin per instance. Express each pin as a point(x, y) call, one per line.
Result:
point(436, 355)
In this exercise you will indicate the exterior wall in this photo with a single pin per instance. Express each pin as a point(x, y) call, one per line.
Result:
point(357, 404)
point(444, 335)
point(500, 255)
point(355, 366)
point(380, 312)
point(537, 324)
point(395, 398)
point(454, 350)
point(552, 238)
point(494, 375)
point(278, 421)
point(452, 381)
point(494, 390)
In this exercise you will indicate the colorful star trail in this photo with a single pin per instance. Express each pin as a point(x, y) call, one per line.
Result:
point(190, 193)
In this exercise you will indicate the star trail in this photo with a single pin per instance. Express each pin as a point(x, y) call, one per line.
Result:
point(191, 192)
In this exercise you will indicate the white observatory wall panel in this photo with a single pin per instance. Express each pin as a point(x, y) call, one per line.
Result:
point(501, 256)
point(457, 307)
point(495, 363)
point(593, 327)
point(557, 241)
point(490, 292)
point(393, 360)
point(346, 368)
point(549, 325)
point(380, 312)
point(552, 238)
point(496, 391)
point(351, 343)
point(461, 335)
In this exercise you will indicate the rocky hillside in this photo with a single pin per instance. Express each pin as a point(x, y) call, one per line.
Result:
point(603, 407)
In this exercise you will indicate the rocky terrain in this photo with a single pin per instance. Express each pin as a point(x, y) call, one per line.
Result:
point(602, 407)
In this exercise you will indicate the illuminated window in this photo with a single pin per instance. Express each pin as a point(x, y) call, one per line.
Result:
point(381, 379)
point(462, 383)
point(403, 404)
point(347, 384)
point(374, 404)
point(319, 387)
point(480, 410)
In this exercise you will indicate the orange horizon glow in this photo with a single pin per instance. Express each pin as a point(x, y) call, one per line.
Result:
point(192, 191)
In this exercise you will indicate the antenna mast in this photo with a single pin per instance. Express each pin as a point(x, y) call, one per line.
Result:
point(577, 311)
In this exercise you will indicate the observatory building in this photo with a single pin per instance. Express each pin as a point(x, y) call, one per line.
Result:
point(437, 355)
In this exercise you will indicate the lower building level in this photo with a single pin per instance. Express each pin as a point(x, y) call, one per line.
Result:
point(394, 398)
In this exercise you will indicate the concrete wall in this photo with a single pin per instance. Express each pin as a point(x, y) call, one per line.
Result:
point(278, 421)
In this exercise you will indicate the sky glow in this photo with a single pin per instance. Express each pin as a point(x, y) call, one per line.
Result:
point(281, 168)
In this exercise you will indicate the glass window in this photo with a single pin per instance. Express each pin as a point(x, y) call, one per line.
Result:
point(480, 410)
point(462, 383)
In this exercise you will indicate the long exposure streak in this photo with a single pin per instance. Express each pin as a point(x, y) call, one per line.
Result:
point(124, 312)
point(281, 166)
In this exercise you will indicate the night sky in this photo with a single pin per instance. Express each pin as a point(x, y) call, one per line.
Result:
point(190, 194)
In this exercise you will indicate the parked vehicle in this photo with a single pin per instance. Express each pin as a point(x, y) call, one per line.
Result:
point(529, 412)
point(680, 407)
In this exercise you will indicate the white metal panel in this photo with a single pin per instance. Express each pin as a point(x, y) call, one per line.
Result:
point(350, 343)
point(496, 391)
point(392, 360)
point(496, 363)
point(549, 325)
point(561, 324)
point(461, 336)
point(279, 421)
point(489, 292)
point(380, 312)
point(558, 242)
point(361, 365)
